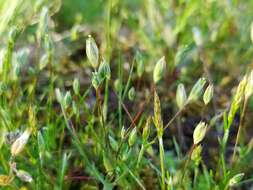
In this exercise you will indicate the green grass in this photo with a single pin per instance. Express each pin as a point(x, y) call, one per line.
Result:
point(122, 94)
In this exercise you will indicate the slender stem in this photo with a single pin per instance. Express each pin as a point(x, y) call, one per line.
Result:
point(161, 150)
point(240, 128)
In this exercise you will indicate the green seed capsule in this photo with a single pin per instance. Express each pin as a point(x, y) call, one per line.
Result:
point(181, 96)
point(132, 137)
point(199, 132)
point(159, 70)
point(76, 86)
point(131, 94)
point(208, 95)
point(92, 51)
point(197, 90)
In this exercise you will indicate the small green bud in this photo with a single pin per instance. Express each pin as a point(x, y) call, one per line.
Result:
point(159, 70)
point(116, 85)
point(123, 132)
point(208, 95)
point(96, 81)
point(240, 91)
point(131, 94)
point(181, 96)
point(235, 179)
point(24, 176)
point(43, 61)
point(76, 86)
point(67, 99)
point(58, 95)
point(197, 90)
point(92, 51)
point(199, 132)
point(132, 137)
point(74, 107)
point(104, 70)
point(146, 130)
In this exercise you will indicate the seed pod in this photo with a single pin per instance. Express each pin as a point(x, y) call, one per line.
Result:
point(76, 86)
point(123, 132)
point(197, 90)
point(67, 99)
point(20, 143)
point(104, 70)
point(235, 179)
point(132, 137)
point(95, 80)
point(181, 96)
point(58, 95)
point(159, 70)
point(199, 132)
point(92, 51)
point(43, 61)
point(208, 95)
point(131, 94)
point(24, 176)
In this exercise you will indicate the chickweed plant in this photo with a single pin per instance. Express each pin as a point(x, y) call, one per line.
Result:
point(126, 95)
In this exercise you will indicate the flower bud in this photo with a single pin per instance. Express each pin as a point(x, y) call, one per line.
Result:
point(96, 81)
point(58, 95)
point(24, 176)
point(92, 51)
point(197, 90)
point(104, 70)
point(123, 132)
point(199, 132)
point(236, 179)
point(131, 94)
point(132, 137)
point(20, 143)
point(181, 96)
point(76, 86)
point(159, 70)
point(208, 95)
point(67, 99)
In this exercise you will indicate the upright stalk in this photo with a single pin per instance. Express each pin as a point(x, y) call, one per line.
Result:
point(240, 128)
point(161, 150)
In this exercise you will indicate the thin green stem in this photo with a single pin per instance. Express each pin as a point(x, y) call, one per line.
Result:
point(161, 150)
point(240, 128)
